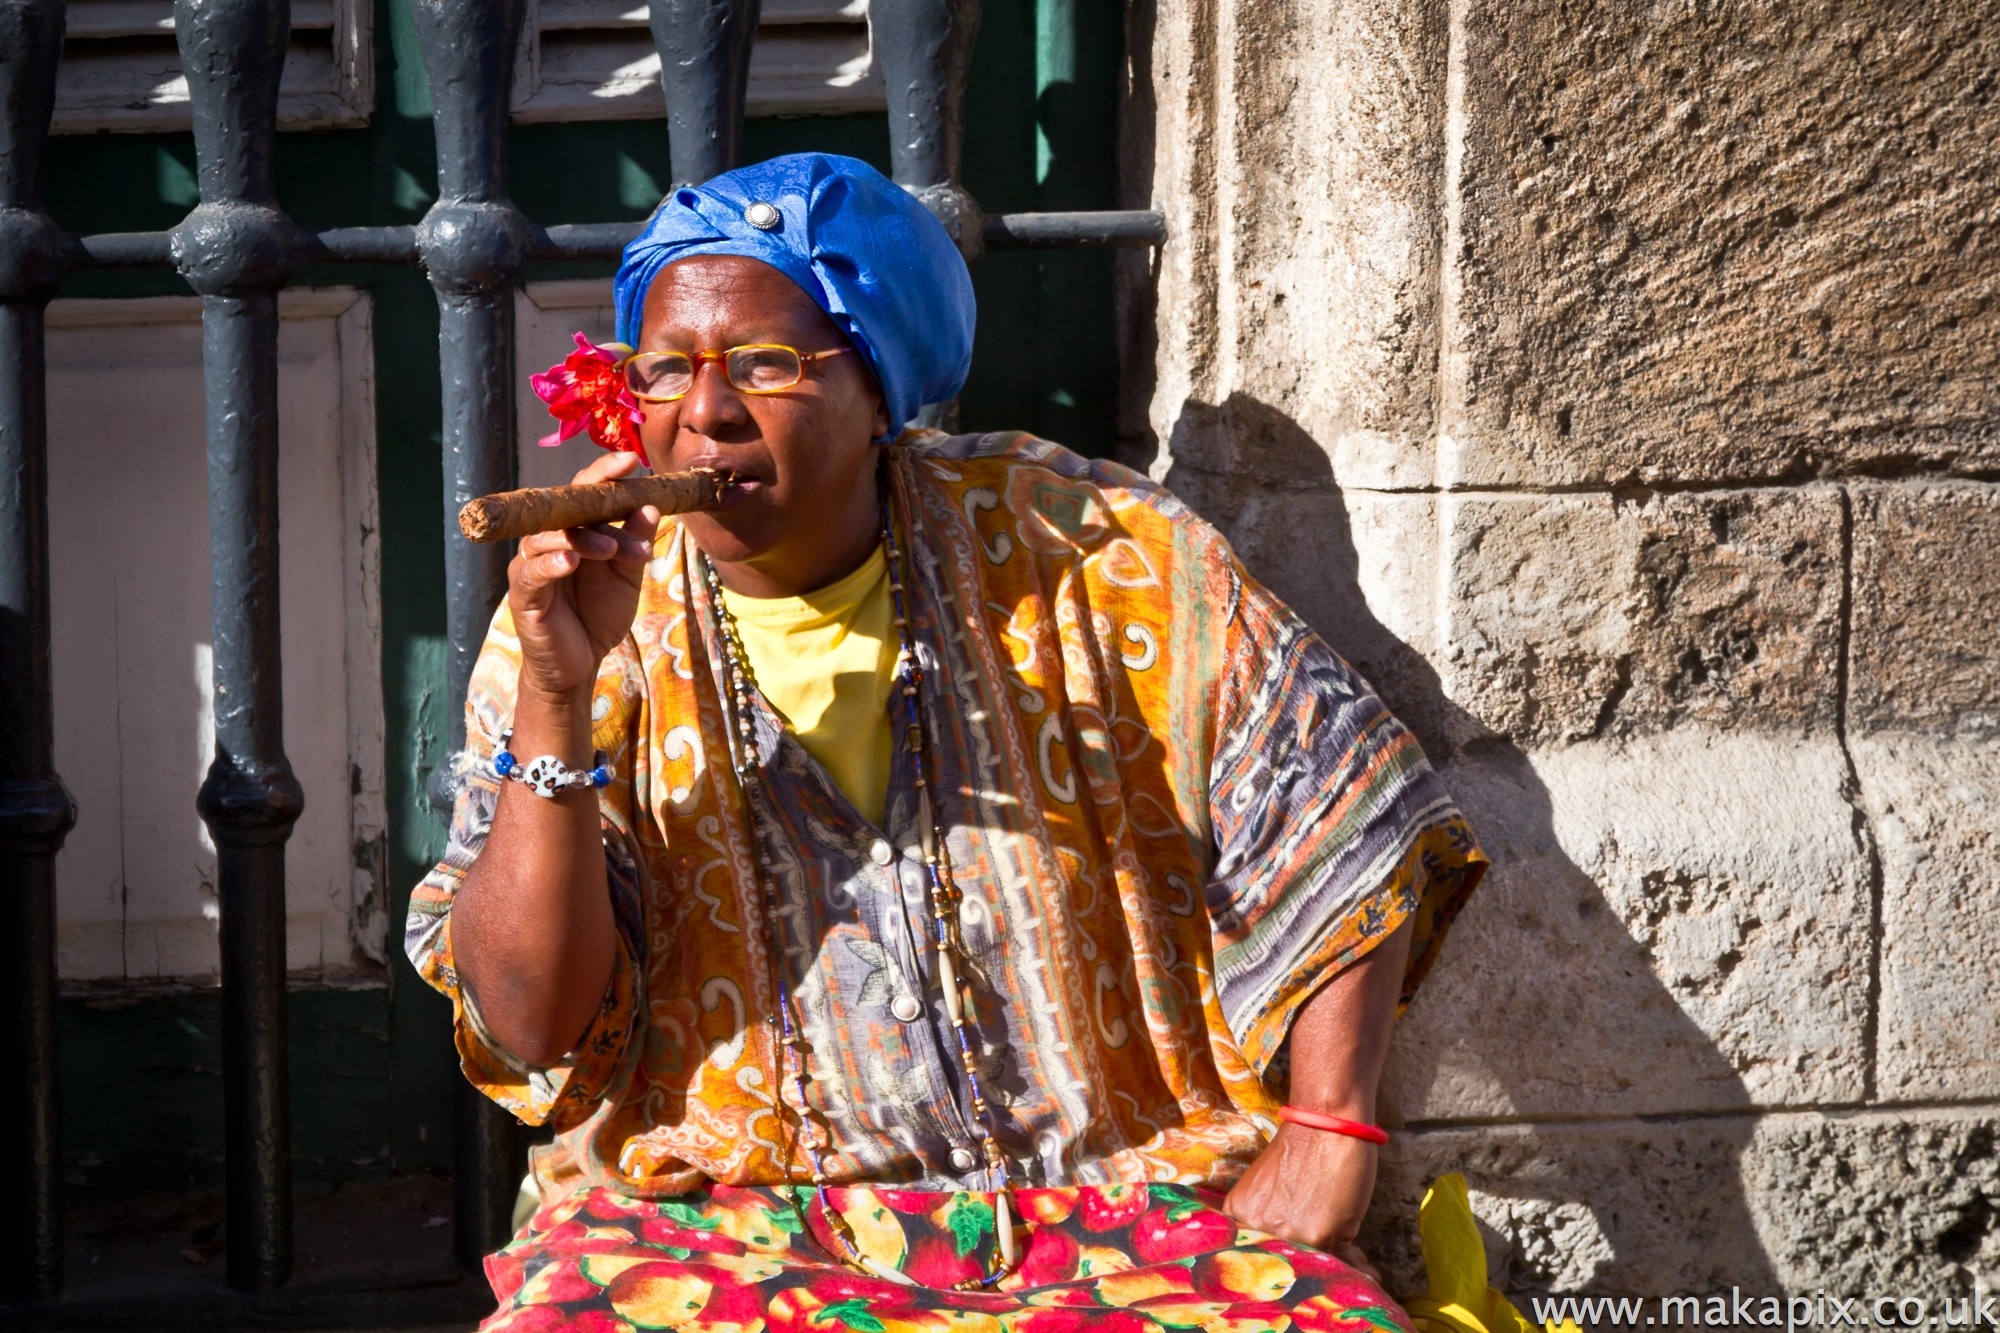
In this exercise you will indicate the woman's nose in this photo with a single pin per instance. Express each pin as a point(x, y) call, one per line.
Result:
point(712, 407)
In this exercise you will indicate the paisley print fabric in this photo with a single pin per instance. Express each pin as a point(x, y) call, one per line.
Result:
point(1172, 810)
point(1102, 1259)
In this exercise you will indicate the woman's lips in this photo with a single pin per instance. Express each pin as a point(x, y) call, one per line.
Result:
point(738, 489)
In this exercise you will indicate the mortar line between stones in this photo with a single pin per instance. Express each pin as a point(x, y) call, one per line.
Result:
point(1889, 1111)
point(1913, 478)
point(1864, 833)
point(1227, 130)
point(1447, 382)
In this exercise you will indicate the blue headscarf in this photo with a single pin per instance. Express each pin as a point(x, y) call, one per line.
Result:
point(861, 246)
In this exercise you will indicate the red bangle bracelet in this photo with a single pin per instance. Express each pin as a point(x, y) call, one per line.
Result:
point(1354, 1129)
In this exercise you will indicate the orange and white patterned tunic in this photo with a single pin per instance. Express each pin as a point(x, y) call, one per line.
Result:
point(1172, 810)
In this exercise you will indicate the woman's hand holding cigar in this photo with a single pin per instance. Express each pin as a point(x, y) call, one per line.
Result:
point(573, 593)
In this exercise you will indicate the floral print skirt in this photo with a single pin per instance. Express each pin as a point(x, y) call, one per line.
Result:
point(1123, 1258)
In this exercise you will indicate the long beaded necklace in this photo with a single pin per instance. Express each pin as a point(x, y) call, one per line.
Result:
point(793, 1053)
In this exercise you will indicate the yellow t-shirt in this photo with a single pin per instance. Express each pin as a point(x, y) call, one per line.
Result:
point(827, 662)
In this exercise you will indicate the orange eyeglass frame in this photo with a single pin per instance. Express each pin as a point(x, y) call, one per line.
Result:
point(696, 359)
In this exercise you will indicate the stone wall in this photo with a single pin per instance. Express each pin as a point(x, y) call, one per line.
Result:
point(1618, 385)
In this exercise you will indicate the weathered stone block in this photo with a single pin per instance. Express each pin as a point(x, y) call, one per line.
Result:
point(1882, 1203)
point(1862, 1205)
point(1243, 445)
point(1573, 616)
point(1728, 241)
point(1925, 718)
point(1623, 1207)
point(1676, 923)
point(1297, 148)
point(1934, 805)
point(1926, 642)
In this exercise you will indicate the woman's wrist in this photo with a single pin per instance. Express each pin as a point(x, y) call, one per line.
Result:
point(1346, 1098)
point(556, 723)
point(556, 700)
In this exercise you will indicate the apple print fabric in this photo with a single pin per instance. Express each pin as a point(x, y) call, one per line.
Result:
point(1095, 1259)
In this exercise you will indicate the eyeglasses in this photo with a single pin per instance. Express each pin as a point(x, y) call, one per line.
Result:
point(662, 377)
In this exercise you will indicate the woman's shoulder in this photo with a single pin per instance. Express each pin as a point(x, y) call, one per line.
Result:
point(1040, 512)
point(1028, 474)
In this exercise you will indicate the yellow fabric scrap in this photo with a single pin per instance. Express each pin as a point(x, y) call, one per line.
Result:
point(1459, 1301)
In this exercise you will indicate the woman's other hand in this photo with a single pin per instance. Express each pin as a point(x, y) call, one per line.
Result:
point(1310, 1187)
point(573, 593)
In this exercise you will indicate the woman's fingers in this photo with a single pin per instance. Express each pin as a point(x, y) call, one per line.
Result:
point(599, 543)
point(1352, 1256)
point(532, 573)
point(632, 542)
point(636, 537)
point(607, 467)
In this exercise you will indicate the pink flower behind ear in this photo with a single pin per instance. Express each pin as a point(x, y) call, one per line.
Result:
point(588, 391)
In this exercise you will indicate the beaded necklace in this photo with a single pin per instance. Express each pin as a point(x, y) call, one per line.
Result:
point(944, 901)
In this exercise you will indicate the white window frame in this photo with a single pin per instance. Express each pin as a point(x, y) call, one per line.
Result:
point(360, 831)
point(121, 71)
point(594, 60)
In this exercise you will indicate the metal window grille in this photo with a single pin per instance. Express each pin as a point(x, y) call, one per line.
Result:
point(237, 249)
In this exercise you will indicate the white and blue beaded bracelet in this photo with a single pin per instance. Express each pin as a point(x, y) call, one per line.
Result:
point(548, 776)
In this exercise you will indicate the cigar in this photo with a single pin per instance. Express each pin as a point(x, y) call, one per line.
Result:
point(515, 514)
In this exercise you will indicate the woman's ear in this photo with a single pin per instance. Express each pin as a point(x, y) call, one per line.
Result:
point(881, 418)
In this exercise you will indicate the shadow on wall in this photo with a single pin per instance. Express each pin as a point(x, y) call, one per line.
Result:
point(1574, 1200)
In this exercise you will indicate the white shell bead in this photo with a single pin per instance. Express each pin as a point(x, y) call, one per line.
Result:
point(948, 983)
point(1003, 1228)
point(882, 1270)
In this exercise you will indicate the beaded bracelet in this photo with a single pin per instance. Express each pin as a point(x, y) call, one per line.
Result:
point(1334, 1124)
point(548, 776)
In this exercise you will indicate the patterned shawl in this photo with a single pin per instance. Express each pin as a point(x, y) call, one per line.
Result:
point(1173, 811)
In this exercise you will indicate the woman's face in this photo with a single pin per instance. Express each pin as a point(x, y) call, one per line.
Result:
point(803, 509)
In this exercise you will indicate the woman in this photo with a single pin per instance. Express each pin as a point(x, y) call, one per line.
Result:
point(986, 872)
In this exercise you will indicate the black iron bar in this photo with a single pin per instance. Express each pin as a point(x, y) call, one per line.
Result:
point(340, 245)
point(121, 249)
point(704, 48)
point(358, 245)
point(606, 240)
point(235, 249)
point(584, 240)
point(472, 244)
point(924, 49)
point(35, 810)
point(1136, 229)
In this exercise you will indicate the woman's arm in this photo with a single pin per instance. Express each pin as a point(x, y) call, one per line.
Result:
point(531, 924)
point(532, 931)
point(1311, 1186)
